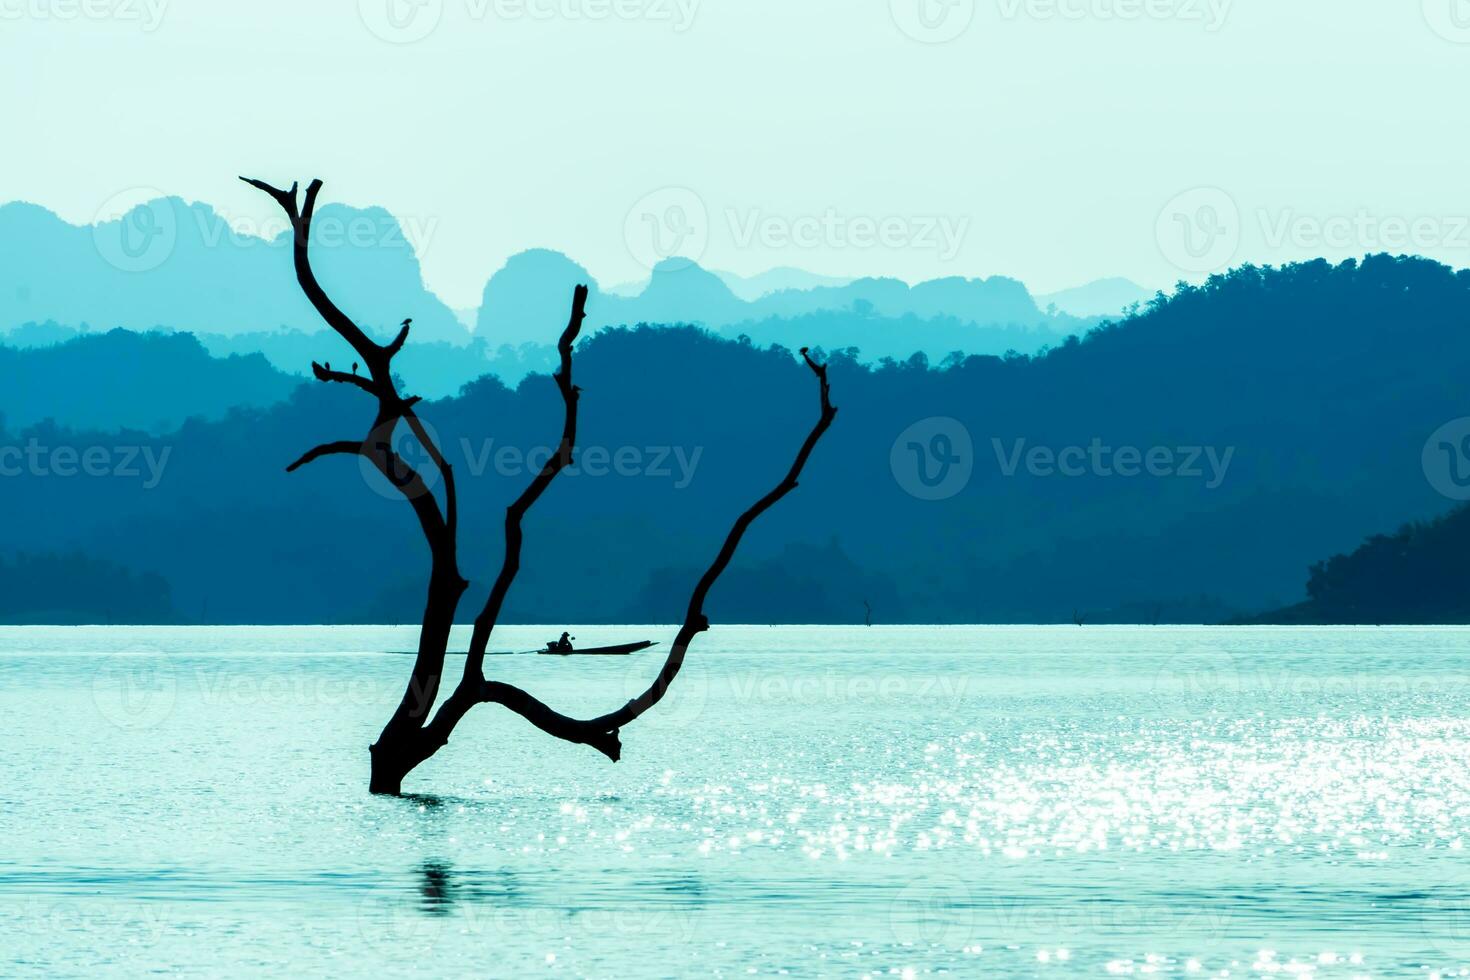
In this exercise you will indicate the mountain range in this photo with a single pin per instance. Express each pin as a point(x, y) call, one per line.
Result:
point(172, 265)
point(1188, 461)
point(525, 300)
point(1105, 298)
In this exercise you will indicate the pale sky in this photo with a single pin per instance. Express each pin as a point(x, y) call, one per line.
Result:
point(1050, 140)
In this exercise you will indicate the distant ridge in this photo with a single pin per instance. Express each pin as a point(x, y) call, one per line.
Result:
point(525, 301)
point(169, 263)
point(1104, 297)
point(169, 377)
point(752, 288)
point(515, 308)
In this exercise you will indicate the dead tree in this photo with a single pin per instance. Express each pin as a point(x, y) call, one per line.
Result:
point(415, 731)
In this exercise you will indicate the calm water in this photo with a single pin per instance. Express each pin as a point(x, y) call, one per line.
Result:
point(906, 802)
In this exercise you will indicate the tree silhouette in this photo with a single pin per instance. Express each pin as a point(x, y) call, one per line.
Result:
point(415, 732)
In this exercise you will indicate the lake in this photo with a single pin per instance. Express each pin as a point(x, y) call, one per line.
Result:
point(1005, 802)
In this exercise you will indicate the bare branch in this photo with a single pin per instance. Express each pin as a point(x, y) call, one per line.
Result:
point(695, 621)
point(436, 456)
point(398, 341)
point(603, 740)
point(327, 449)
point(286, 199)
point(380, 384)
point(322, 373)
point(396, 470)
point(373, 355)
point(511, 562)
point(602, 732)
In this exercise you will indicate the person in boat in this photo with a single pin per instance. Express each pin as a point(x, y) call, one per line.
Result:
point(563, 645)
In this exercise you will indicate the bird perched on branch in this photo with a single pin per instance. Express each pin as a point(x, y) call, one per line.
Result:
point(354, 367)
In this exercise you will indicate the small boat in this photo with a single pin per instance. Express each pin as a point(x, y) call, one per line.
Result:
point(616, 651)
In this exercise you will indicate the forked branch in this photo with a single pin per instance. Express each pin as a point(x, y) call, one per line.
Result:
point(515, 514)
point(603, 732)
point(373, 355)
point(446, 585)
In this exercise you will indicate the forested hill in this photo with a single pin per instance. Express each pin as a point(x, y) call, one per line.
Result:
point(126, 380)
point(1196, 456)
point(1417, 575)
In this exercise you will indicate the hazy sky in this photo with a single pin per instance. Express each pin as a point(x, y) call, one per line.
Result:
point(1057, 141)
